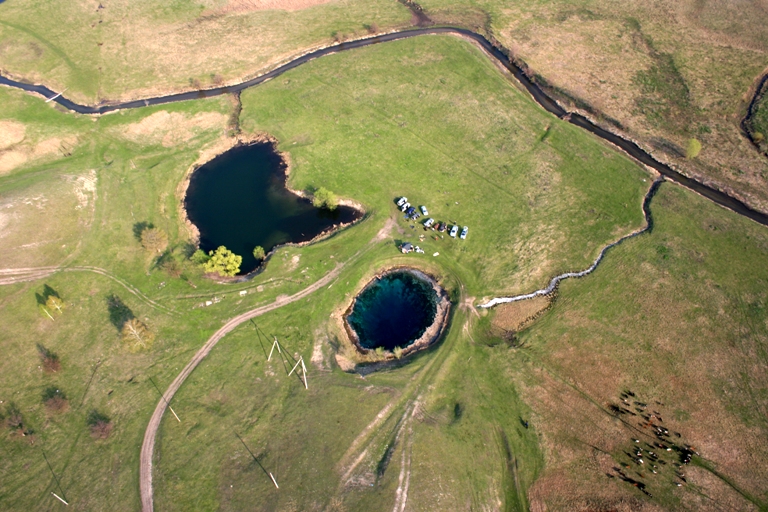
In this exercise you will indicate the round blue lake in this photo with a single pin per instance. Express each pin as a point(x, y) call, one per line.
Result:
point(393, 311)
point(239, 200)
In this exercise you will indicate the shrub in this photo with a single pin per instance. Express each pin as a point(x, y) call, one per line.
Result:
point(55, 400)
point(258, 252)
point(154, 239)
point(224, 262)
point(199, 257)
point(99, 424)
point(324, 198)
point(50, 359)
point(693, 150)
point(136, 335)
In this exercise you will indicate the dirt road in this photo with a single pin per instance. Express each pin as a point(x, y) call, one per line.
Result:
point(148, 446)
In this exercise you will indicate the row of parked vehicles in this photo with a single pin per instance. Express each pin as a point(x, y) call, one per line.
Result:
point(411, 213)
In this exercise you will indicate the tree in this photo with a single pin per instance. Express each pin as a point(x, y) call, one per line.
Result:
point(258, 252)
point(199, 257)
point(55, 400)
point(694, 147)
point(224, 262)
point(324, 198)
point(99, 423)
point(50, 359)
point(55, 304)
point(136, 335)
point(154, 239)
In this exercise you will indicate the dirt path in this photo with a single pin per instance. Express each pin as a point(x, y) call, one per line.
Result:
point(148, 446)
point(22, 275)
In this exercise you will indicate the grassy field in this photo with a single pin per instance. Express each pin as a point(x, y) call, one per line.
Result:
point(663, 72)
point(130, 49)
point(470, 424)
point(677, 316)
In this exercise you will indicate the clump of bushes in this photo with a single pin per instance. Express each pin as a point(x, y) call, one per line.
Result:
point(224, 262)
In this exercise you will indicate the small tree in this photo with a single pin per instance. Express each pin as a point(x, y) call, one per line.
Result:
point(199, 257)
point(99, 424)
point(224, 262)
point(398, 352)
point(136, 335)
point(324, 198)
point(13, 417)
point(50, 359)
point(258, 252)
point(55, 400)
point(154, 239)
point(758, 137)
point(55, 304)
point(693, 150)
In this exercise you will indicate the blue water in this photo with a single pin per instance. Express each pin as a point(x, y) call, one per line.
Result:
point(393, 311)
point(239, 200)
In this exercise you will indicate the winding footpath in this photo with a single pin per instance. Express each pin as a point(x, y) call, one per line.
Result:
point(148, 446)
point(495, 52)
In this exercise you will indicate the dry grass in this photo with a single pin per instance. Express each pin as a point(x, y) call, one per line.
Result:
point(671, 316)
point(598, 57)
point(517, 315)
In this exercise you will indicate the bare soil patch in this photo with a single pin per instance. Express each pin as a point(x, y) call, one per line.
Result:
point(244, 6)
point(515, 316)
point(11, 133)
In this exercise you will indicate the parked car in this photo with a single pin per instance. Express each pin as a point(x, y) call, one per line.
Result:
point(423, 210)
point(404, 207)
point(429, 222)
point(454, 230)
point(402, 201)
point(410, 211)
point(443, 227)
point(463, 234)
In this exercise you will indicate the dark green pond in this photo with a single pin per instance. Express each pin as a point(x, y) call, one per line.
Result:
point(239, 200)
point(393, 311)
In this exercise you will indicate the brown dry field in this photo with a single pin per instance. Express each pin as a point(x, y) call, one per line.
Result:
point(677, 317)
point(592, 54)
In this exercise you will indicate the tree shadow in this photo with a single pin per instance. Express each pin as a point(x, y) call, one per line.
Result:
point(139, 227)
point(119, 313)
point(42, 299)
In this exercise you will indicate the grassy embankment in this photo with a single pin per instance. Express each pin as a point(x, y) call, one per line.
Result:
point(663, 72)
point(760, 123)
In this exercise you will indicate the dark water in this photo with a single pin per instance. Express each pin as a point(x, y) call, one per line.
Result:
point(239, 200)
point(393, 311)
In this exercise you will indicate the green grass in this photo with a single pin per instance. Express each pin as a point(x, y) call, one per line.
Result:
point(448, 130)
point(134, 49)
point(433, 119)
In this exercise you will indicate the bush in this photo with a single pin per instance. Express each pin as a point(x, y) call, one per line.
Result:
point(136, 335)
point(199, 257)
point(324, 198)
point(55, 399)
point(258, 252)
point(99, 424)
point(50, 359)
point(693, 150)
point(224, 262)
point(154, 239)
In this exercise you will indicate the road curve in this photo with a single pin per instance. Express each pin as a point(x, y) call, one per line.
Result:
point(493, 50)
point(148, 446)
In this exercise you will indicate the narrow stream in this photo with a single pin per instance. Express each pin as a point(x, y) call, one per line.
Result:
point(556, 280)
